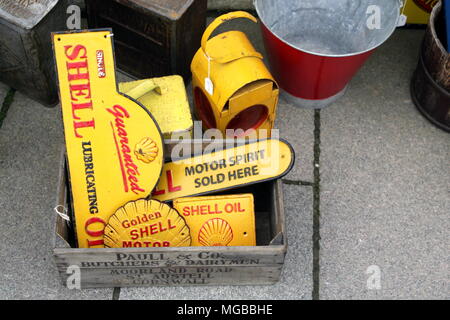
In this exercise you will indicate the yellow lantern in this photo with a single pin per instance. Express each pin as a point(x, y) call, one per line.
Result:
point(233, 89)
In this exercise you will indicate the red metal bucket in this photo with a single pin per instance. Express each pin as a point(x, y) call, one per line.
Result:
point(316, 47)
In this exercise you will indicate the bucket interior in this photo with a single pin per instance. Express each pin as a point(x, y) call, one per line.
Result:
point(330, 27)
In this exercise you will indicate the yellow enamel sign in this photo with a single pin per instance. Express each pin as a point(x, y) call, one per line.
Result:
point(114, 147)
point(146, 224)
point(225, 169)
point(219, 221)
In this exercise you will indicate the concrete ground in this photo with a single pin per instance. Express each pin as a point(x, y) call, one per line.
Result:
point(367, 203)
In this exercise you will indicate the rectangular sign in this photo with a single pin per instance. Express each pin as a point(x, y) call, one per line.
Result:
point(219, 221)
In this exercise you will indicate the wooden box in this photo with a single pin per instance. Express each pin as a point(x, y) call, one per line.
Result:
point(26, 56)
point(196, 266)
point(152, 38)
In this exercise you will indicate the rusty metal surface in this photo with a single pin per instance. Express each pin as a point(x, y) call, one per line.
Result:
point(430, 98)
point(430, 86)
point(435, 56)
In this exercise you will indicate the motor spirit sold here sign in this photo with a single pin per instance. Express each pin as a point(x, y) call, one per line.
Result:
point(230, 168)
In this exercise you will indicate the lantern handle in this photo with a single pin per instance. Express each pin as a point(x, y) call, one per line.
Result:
point(222, 19)
point(144, 88)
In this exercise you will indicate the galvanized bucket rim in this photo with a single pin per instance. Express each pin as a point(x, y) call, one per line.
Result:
point(255, 3)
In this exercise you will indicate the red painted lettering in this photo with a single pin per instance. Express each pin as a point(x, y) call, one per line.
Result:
point(94, 243)
point(170, 182)
point(75, 52)
point(82, 124)
point(80, 106)
point(91, 222)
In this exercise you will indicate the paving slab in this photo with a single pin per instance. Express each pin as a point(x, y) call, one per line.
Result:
point(296, 280)
point(385, 186)
point(296, 126)
point(30, 143)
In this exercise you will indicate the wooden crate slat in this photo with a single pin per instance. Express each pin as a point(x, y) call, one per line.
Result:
point(181, 257)
point(178, 276)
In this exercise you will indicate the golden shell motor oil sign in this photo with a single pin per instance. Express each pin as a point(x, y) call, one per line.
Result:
point(229, 168)
point(114, 147)
point(146, 224)
point(219, 221)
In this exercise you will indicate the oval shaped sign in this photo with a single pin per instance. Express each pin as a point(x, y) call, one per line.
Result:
point(146, 224)
point(225, 169)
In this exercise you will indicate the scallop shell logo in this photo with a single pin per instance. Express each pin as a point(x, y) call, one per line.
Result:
point(215, 233)
point(146, 150)
point(157, 223)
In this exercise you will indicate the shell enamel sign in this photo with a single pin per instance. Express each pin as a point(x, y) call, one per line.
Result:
point(114, 147)
point(219, 221)
point(146, 224)
point(230, 168)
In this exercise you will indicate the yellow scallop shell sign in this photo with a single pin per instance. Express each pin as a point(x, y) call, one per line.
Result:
point(219, 221)
point(114, 147)
point(146, 224)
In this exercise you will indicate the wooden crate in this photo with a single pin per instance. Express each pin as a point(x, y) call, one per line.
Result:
point(196, 266)
point(152, 38)
point(26, 56)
